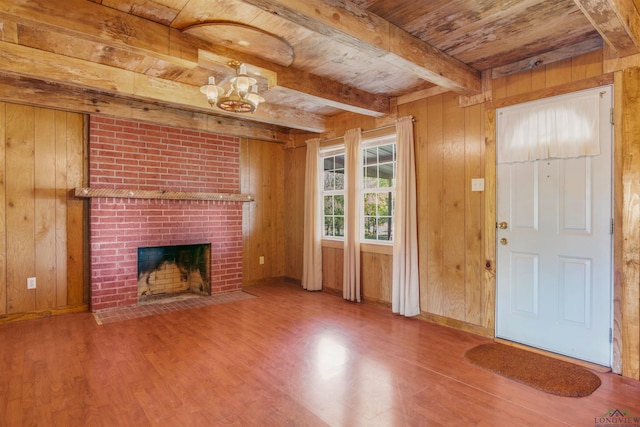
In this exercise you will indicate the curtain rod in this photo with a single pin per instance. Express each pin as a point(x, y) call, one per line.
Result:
point(364, 132)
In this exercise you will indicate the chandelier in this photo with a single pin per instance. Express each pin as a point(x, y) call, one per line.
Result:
point(240, 97)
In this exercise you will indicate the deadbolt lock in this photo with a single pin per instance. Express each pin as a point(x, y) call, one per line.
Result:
point(503, 225)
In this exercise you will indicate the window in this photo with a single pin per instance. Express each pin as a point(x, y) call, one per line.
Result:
point(378, 193)
point(333, 195)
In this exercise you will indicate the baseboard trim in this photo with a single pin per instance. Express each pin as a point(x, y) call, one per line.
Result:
point(457, 324)
point(332, 291)
point(272, 281)
point(39, 314)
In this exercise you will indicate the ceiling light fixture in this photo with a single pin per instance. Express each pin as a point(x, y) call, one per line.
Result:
point(240, 97)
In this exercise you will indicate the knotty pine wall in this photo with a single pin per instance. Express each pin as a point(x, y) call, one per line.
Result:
point(449, 143)
point(626, 302)
point(457, 227)
point(43, 231)
point(263, 226)
point(295, 161)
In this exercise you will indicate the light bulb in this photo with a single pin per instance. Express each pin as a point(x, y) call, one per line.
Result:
point(242, 84)
point(211, 90)
point(253, 97)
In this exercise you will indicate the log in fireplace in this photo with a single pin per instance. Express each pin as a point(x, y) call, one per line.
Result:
point(169, 270)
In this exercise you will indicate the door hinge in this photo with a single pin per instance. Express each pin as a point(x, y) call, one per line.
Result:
point(611, 115)
point(611, 227)
point(610, 335)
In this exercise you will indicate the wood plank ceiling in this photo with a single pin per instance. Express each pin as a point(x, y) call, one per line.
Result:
point(312, 58)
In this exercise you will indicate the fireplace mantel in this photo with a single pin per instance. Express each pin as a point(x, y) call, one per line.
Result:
point(86, 192)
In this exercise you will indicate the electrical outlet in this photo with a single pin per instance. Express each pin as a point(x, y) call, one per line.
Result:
point(31, 282)
point(261, 260)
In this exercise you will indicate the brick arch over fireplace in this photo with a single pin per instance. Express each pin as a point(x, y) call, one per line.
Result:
point(131, 155)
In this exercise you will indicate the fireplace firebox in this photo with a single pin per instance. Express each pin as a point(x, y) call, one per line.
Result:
point(165, 271)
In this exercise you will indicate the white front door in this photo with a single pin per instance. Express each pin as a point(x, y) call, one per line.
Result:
point(554, 253)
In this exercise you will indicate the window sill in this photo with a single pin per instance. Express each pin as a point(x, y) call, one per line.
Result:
point(377, 248)
point(373, 248)
point(330, 243)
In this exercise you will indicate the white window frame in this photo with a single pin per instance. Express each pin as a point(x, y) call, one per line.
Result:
point(334, 150)
point(324, 153)
point(371, 143)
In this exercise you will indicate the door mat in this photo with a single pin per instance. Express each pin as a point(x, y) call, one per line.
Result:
point(536, 370)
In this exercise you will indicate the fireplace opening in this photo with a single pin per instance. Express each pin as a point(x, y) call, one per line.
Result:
point(167, 271)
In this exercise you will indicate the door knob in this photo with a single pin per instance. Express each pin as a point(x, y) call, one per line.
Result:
point(503, 225)
point(504, 241)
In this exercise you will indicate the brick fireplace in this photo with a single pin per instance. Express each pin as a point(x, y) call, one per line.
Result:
point(129, 155)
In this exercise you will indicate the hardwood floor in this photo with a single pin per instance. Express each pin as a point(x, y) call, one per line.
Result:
point(286, 358)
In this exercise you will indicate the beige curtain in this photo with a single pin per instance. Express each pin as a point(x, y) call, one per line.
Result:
point(353, 184)
point(561, 127)
point(312, 246)
point(405, 295)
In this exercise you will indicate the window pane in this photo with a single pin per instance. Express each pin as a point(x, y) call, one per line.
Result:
point(338, 205)
point(387, 178)
point(384, 228)
point(371, 171)
point(328, 181)
point(383, 204)
point(339, 226)
point(339, 162)
point(371, 176)
point(328, 226)
point(339, 179)
point(370, 228)
point(328, 205)
point(329, 163)
point(386, 153)
point(370, 204)
point(370, 156)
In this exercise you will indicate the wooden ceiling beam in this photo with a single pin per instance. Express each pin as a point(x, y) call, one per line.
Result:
point(617, 21)
point(95, 33)
point(47, 66)
point(327, 92)
point(21, 90)
point(360, 29)
point(90, 20)
point(334, 94)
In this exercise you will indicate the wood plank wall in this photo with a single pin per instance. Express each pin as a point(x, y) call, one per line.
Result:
point(262, 174)
point(44, 230)
point(450, 152)
point(627, 242)
point(453, 145)
point(295, 160)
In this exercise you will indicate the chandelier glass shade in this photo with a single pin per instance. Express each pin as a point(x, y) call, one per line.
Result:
point(240, 97)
